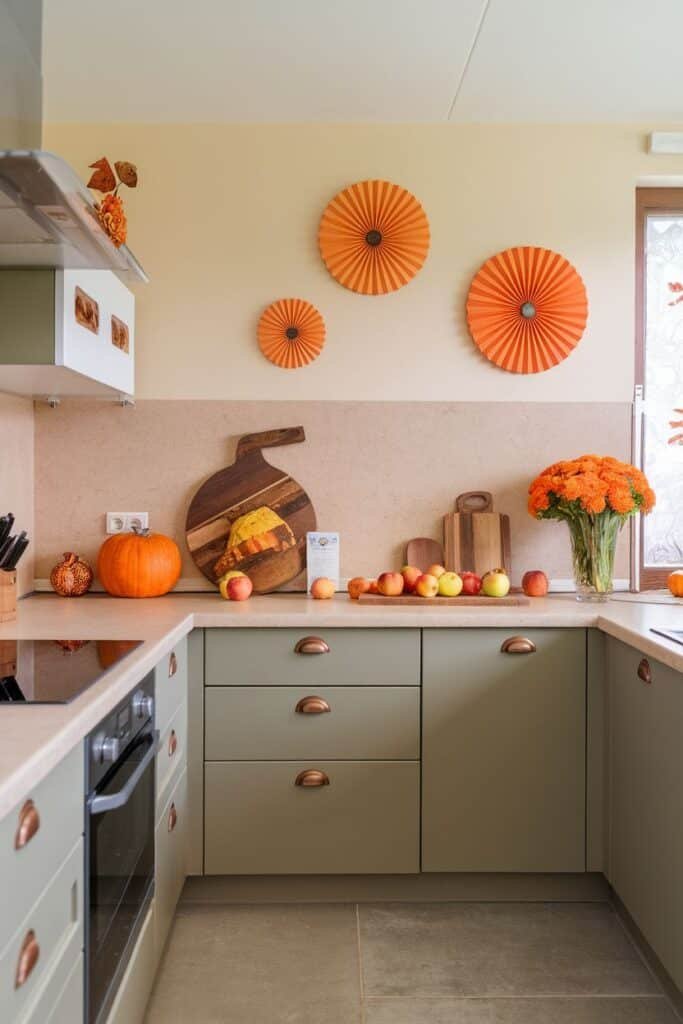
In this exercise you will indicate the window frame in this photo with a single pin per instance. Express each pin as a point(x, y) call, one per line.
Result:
point(648, 200)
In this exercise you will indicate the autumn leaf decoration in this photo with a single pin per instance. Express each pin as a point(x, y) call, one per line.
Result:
point(110, 212)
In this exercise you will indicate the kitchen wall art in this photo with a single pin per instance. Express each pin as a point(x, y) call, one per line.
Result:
point(374, 237)
point(291, 333)
point(527, 309)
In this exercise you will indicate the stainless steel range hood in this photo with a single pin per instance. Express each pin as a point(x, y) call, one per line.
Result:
point(48, 219)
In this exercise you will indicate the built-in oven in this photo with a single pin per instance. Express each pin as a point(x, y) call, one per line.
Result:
point(119, 844)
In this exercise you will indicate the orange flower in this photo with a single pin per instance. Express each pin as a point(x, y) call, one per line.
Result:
point(592, 484)
point(112, 217)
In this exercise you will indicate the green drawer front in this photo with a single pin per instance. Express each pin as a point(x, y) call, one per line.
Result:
point(257, 821)
point(56, 920)
point(58, 802)
point(171, 860)
point(356, 657)
point(261, 723)
point(170, 684)
point(171, 760)
point(62, 1001)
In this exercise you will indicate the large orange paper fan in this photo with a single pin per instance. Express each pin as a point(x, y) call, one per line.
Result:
point(374, 237)
point(291, 333)
point(527, 309)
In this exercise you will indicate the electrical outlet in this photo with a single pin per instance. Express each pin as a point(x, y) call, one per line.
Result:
point(123, 522)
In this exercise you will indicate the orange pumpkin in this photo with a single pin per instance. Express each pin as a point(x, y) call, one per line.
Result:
point(139, 564)
point(675, 583)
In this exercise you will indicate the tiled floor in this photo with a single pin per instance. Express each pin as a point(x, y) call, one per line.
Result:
point(404, 963)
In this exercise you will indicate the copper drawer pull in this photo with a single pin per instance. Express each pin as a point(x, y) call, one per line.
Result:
point(28, 958)
point(312, 706)
point(172, 664)
point(518, 645)
point(172, 818)
point(29, 823)
point(172, 743)
point(311, 645)
point(644, 672)
point(312, 777)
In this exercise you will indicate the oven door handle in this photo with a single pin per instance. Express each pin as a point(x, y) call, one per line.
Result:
point(100, 804)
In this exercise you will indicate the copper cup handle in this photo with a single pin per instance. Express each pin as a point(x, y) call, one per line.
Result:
point(311, 645)
point(29, 823)
point(28, 958)
point(172, 818)
point(312, 706)
point(644, 672)
point(172, 743)
point(518, 645)
point(312, 777)
point(172, 664)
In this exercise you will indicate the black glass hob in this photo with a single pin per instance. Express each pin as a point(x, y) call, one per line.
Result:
point(55, 671)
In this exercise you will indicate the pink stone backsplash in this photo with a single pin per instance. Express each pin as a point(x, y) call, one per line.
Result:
point(378, 472)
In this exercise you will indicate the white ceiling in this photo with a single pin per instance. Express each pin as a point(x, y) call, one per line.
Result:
point(363, 60)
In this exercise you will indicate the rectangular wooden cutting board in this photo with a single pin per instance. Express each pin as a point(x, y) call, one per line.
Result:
point(476, 539)
point(408, 599)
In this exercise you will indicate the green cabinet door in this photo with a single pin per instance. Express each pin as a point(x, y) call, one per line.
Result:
point(646, 798)
point(504, 751)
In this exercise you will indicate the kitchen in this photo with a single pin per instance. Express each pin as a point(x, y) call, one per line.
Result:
point(455, 808)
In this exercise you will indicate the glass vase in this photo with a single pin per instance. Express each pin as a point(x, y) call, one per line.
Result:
point(594, 541)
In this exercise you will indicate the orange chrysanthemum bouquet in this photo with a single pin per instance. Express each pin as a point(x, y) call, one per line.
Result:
point(595, 495)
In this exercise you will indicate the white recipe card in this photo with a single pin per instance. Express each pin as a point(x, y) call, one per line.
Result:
point(322, 557)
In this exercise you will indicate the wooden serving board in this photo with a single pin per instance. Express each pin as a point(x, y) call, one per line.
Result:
point(476, 539)
point(250, 483)
point(407, 599)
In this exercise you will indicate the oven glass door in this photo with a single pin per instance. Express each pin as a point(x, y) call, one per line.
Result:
point(121, 864)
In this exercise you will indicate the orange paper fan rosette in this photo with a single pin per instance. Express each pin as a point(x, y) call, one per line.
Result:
point(374, 237)
point(527, 309)
point(291, 333)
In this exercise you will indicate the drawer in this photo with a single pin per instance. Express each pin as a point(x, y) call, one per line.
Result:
point(257, 821)
point(172, 756)
point(131, 999)
point(44, 826)
point(170, 684)
point(54, 928)
point(292, 657)
point(262, 723)
point(171, 860)
point(62, 1001)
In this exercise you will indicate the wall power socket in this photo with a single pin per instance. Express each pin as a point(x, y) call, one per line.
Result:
point(123, 522)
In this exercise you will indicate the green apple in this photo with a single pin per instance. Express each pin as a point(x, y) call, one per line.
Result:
point(450, 584)
point(495, 583)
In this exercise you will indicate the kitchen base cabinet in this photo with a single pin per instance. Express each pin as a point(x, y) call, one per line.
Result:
point(504, 750)
point(364, 819)
point(69, 1006)
point(171, 860)
point(646, 798)
point(138, 980)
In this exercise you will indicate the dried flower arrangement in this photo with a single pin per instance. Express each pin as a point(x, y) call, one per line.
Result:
point(110, 212)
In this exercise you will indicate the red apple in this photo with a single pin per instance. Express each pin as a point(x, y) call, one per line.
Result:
point(390, 584)
point(535, 583)
point(239, 588)
point(322, 589)
point(471, 583)
point(410, 577)
point(427, 585)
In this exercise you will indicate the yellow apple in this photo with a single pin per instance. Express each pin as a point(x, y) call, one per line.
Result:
point(224, 580)
point(450, 584)
point(495, 583)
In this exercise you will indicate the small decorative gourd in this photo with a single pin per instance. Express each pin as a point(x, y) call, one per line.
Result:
point(139, 564)
point(71, 578)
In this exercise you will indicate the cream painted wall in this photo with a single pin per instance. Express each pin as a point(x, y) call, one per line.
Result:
point(225, 221)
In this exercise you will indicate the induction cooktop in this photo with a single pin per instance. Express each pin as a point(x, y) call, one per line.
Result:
point(55, 671)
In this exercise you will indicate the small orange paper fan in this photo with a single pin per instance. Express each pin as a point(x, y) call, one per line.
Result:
point(374, 237)
point(527, 309)
point(291, 333)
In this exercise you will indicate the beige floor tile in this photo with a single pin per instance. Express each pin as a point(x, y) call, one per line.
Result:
point(295, 964)
point(497, 950)
point(580, 1010)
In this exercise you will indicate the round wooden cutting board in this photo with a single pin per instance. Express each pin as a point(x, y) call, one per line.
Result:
point(248, 485)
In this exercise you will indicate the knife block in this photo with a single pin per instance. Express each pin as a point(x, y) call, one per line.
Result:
point(8, 595)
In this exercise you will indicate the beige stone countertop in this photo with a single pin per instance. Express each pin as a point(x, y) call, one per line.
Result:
point(33, 739)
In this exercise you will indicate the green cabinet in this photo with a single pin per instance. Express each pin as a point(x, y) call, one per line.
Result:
point(504, 750)
point(646, 798)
